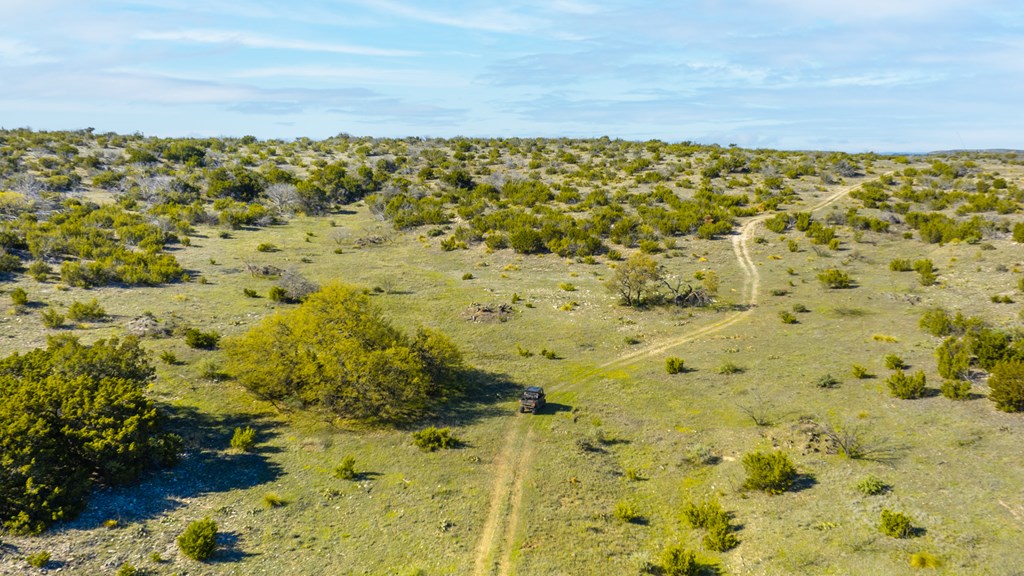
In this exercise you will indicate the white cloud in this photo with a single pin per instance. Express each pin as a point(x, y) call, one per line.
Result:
point(204, 36)
point(18, 53)
point(492, 20)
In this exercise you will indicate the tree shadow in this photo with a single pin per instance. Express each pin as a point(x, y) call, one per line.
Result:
point(803, 482)
point(206, 467)
point(485, 391)
point(228, 550)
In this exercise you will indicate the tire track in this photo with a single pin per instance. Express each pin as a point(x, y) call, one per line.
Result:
point(512, 462)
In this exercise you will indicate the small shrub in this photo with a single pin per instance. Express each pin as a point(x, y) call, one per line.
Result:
point(956, 389)
point(549, 354)
point(569, 306)
point(266, 247)
point(936, 322)
point(633, 475)
point(39, 271)
point(567, 287)
point(430, 439)
point(272, 500)
point(127, 569)
point(347, 469)
point(39, 559)
point(894, 362)
point(872, 486)
point(826, 381)
point(678, 561)
point(525, 353)
point(787, 317)
point(860, 372)
point(800, 308)
point(835, 279)
point(244, 439)
point(720, 538)
point(900, 265)
point(675, 365)
point(250, 293)
point(51, 318)
point(196, 338)
point(779, 292)
point(467, 276)
point(626, 512)
point(19, 297)
point(199, 540)
point(884, 338)
point(1006, 385)
point(705, 514)
point(729, 368)
point(773, 472)
point(90, 311)
point(895, 524)
point(278, 294)
point(906, 387)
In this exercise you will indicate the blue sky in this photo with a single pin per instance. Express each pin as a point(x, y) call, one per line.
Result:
point(882, 75)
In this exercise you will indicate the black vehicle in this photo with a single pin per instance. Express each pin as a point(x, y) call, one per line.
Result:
point(532, 400)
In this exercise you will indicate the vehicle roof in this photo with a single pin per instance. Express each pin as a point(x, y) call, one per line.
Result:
point(534, 389)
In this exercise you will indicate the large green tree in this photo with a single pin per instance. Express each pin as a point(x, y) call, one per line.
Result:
point(336, 351)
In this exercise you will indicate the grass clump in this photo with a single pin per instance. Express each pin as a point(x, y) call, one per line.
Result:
point(273, 500)
point(431, 438)
point(675, 365)
point(39, 559)
point(906, 387)
point(199, 540)
point(628, 513)
point(872, 486)
point(244, 439)
point(895, 524)
point(924, 560)
point(826, 381)
point(568, 287)
point(772, 472)
point(347, 469)
point(128, 569)
point(787, 317)
point(729, 368)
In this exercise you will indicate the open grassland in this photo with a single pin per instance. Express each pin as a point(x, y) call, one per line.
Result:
point(538, 494)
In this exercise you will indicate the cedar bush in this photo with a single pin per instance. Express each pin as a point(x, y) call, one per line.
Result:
point(906, 387)
point(199, 540)
point(243, 439)
point(674, 365)
point(956, 389)
point(431, 438)
point(834, 278)
point(73, 415)
point(773, 472)
point(895, 524)
point(678, 561)
point(347, 469)
point(1006, 385)
point(196, 338)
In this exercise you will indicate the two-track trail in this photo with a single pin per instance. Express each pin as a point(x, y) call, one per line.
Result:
point(494, 549)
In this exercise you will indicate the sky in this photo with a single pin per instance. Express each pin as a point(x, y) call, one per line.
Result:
point(866, 75)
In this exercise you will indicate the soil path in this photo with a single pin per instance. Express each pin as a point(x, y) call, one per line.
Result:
point(513, 461)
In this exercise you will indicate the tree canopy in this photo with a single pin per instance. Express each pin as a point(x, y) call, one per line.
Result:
point(336, 351)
